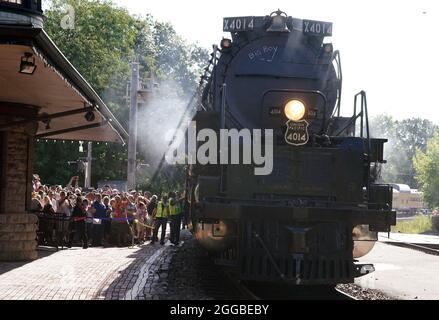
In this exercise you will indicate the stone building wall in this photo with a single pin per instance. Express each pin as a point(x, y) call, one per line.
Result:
point(17, 226)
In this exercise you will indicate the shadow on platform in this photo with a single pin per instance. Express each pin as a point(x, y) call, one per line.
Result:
point(166, 272)
point(42, 253)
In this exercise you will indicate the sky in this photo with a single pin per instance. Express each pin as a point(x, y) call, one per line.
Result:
point(388, 48)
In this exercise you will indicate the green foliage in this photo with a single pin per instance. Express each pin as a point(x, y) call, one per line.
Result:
point(405, 137)
point(420, 224)
point(426, 164)
point(182, 63)
point(171, 178)
point(52, 164)
point(101, 46)
point(111, 162)
point(104, 41)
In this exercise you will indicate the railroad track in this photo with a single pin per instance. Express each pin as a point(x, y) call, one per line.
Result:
point(240, 287)
point(345, 296)
point(426, 248)
point(264, 292)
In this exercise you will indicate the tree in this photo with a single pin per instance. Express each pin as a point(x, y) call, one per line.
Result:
point(103, 43)
point(51, 161)
point(405, 137)
point(177, 60)
point(101, 46)
point(426, 165)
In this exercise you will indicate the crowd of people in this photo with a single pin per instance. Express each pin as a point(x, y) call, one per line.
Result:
point(106, 216)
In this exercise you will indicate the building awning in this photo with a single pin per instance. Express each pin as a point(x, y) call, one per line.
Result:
point(63, 97)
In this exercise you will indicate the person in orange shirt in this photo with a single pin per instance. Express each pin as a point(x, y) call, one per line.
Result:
point(119, 221)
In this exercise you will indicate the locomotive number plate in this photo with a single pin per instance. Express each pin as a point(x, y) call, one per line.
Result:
point(317, 28)
point(297, 133)
point(238, 24)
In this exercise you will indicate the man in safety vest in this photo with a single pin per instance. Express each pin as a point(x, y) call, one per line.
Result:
point(161, 214)
point(175, 212)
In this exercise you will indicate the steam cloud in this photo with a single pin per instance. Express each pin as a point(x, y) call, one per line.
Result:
point(160, 116)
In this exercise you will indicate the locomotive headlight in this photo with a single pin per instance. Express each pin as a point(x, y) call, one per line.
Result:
point(295, 110)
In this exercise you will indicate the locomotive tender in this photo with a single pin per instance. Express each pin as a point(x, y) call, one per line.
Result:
point(320, 208)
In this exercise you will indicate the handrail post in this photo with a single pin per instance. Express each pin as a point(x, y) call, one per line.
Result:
point(223, 106)
point(222, 126)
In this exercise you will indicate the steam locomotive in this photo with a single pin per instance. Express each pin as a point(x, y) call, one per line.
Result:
point(320, 208)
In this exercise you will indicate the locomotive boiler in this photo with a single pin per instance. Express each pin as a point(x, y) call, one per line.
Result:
point(320, 208)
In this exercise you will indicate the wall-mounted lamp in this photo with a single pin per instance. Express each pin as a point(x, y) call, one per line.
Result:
point(47, 123)
point(90, 116)
point(27, 65)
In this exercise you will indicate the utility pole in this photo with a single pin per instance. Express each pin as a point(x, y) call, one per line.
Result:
point(88, 168)
point(132, 145)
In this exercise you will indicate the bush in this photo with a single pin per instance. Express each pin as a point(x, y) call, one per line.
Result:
point(420, 224)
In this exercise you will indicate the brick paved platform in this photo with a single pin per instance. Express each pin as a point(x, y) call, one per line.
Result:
point(147, 272)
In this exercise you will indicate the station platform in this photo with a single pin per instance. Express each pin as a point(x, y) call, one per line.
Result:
point(145, 272)
point(430, 239)
point(402, 273)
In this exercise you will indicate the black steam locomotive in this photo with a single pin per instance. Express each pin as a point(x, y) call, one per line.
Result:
point(320, 208)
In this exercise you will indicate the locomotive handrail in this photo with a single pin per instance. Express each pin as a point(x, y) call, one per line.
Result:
point(214, 72)
point(223, 105)
point(208, 76)
point(364, 114)
point(351, 122)
point(336, 57)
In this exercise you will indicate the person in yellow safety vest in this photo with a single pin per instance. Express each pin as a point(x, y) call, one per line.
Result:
point(175, 212)
point(161, 214)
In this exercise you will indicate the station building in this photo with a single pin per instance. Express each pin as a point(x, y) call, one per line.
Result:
point(42, 96)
